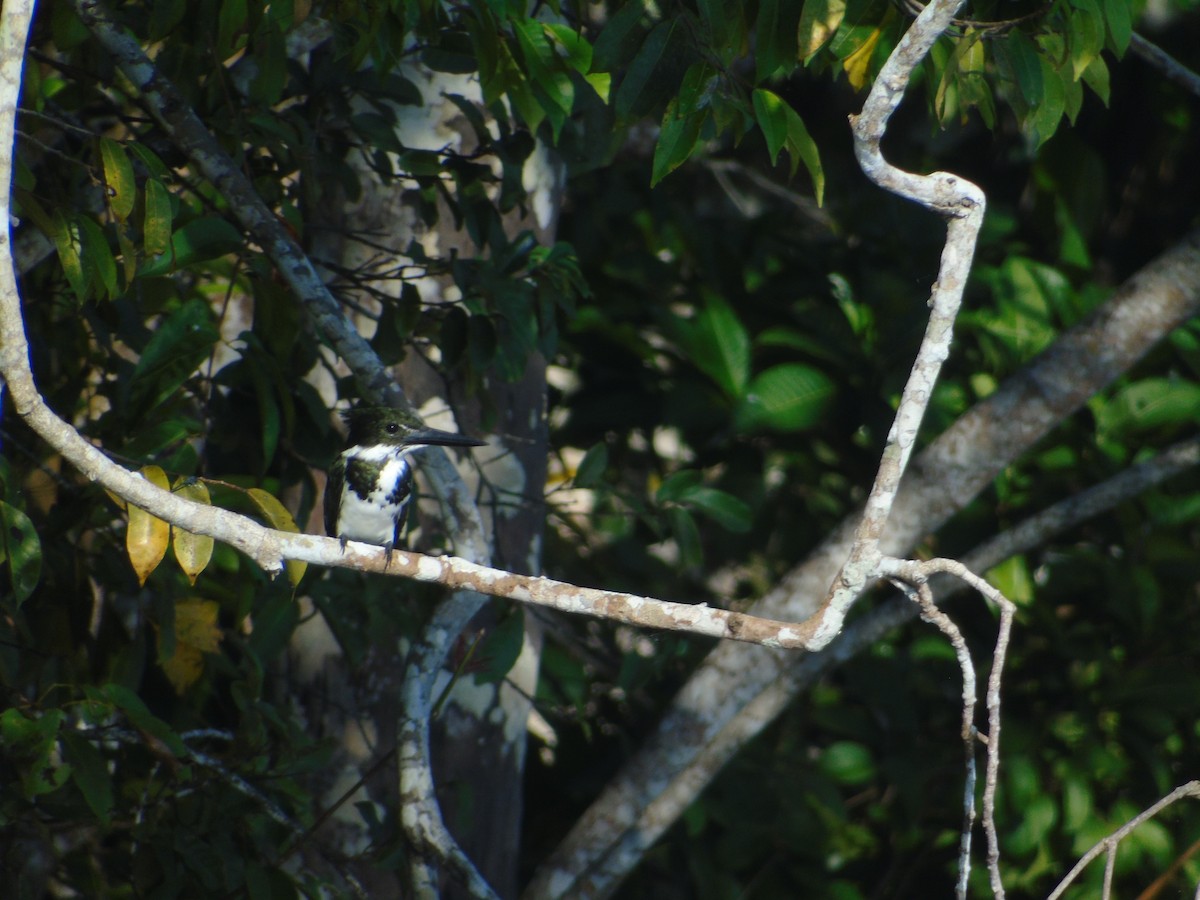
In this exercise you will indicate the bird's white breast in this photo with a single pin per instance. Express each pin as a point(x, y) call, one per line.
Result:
point(371, 519)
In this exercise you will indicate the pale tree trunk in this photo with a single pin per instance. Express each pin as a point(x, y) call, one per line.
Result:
point(478, 741)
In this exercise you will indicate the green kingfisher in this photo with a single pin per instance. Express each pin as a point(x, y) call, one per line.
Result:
point(370, 483)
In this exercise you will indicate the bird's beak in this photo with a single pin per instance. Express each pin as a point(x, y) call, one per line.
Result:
point(431, 437)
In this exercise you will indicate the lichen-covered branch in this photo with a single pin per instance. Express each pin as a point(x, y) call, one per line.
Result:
point(962, 203)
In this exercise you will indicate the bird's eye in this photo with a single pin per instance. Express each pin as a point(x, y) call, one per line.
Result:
point(392, 427)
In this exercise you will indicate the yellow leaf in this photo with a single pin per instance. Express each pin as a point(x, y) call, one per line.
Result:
point(280, 519)
point(196, 633)
point(857, 64)
point(192, 551)
point(146, 537)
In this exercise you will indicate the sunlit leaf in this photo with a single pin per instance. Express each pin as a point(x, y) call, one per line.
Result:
point(848, 762)
point(818, 22)
point(280, 519)
point(68, 241)
point(192, 551)
point(1148, 404)
point(1085, 35)
point(118, 175)
point(1049, 110)
point(156, 226)
point(858, 64)
point(1014, 580)
point(146, 536)
point(788, 397)
point(1096, 77)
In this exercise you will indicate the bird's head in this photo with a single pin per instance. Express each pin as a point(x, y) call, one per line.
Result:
point(381, 425)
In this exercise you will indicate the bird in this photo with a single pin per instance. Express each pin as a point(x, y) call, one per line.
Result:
point(370, 483)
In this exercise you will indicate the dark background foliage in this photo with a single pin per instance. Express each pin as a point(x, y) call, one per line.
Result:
point(728, 356)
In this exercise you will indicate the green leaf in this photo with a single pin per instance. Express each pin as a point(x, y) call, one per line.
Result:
point(788, 397)
point(118, 174)
point(590, 471)
point(784, 129)
point(576, 51)
point(200, 240)
point(22, 551)
point(677, 139)
point(819, 21)
point(164, 16)
point(645, 85)
point(674, 487)
point(30, 741)
point(544, 66)
point(1118, 15)
point(719, 346)
point(776, 33)
point(1049, 109)
point(1026, 65)
point(501, 646)
point(156, 227)
point(89, 771)
point(621, 37)
point(98, 258)
point(68, 240)
point(1085, 35)
point(1014, 580)
point(770, 112)
point(1148, 404)
point(155, 166)
point(140, 717)
point(1096, 77)
point(848, 762)
point(687, 537)
point(723, 508)
point(178, 346)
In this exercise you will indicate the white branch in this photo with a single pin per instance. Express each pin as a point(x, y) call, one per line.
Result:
point(962, 203)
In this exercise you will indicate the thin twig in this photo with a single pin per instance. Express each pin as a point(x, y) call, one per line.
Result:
point(1109, 844)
